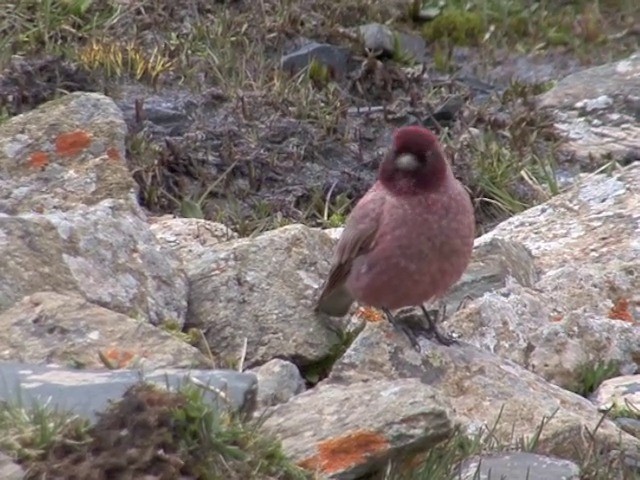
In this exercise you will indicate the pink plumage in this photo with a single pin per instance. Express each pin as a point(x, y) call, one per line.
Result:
point(409, 238)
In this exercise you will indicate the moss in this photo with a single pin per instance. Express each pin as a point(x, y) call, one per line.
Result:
point(319, 73)
point(456, 26)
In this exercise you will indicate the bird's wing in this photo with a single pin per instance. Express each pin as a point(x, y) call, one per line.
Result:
point(356, 239)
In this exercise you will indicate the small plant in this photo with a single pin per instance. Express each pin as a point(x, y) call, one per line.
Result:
point(319, 73)
point(626, 409)
point(192, 336)
point(442, 461)
point(413, 10)
point(400, 55)
point(456, 27)
point(498, 169)
point(116, 60)
point(149, 430)
point(29, 431)
point(227, 445)
point(442, 57)
point(591, 375)
point(327, 210)
point(55, 26)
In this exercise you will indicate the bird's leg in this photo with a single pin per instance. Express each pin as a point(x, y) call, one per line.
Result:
point(433, 327)
point(403, 328)
point(463, 302)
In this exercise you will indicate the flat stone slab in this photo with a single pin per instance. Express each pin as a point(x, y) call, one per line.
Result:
point(518, 466)
point(85, 392)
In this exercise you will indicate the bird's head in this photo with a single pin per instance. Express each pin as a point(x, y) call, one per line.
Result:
point(415, 162)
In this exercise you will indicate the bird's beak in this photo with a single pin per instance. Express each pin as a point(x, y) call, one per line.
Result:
point(407, 162)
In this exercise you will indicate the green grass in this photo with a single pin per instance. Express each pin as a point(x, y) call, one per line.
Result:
point(625, 409)
point(30, 430)
point(591, 376)
point(513, 156)
point(55, 26)
point(522, 24)
point(228, 446)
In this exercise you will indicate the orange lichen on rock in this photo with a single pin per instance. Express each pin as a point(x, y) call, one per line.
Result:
point(113, 153)
point(337, 454)
point(556, 318)
point(114, 358)
point(369, 314)
point(72, 143)
point(38, 160)
point(620, 311)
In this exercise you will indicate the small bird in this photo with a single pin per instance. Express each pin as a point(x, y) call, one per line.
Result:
point(408, 239)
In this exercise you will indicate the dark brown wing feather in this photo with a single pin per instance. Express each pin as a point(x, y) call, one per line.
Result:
point(356, 239)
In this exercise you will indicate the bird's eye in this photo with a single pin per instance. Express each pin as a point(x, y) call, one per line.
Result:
point(407, 162)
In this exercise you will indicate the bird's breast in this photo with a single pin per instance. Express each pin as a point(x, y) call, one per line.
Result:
point(422, 247)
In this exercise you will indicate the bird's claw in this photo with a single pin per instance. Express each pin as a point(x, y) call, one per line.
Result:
point(432, 329)
point(403, 327)
point(415, 329)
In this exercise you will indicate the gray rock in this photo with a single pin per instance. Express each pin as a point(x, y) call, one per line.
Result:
point(517, 466)
point(347, 431)
point(263, 289)
point(69, 218)
point(334, 58)
point(189, 237)
point(278, 381)
point(481, 389)
point(380, 38)
point(334, 233)
point(67, 152)
point(618, 392)
point(493, 265)
point(629, 425)
point(596, 110)
point(85, 392)
point(9, 470)
point(429, 13)
point(167, 111)
point(582, 310)
point(49, 327)
point(105, 252)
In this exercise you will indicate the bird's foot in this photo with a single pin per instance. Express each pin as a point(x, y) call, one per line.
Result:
point(432, 329)
point(403, 327)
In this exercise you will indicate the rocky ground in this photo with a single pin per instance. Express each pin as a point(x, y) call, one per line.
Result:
point(166, 222)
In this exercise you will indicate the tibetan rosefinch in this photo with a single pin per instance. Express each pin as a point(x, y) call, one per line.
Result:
point(408, 239)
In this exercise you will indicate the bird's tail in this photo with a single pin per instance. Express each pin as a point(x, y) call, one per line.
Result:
point(335, 303)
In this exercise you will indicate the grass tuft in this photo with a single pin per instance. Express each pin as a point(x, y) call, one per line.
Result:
point(29, 431)
point(116, 60)
point(591, 376)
